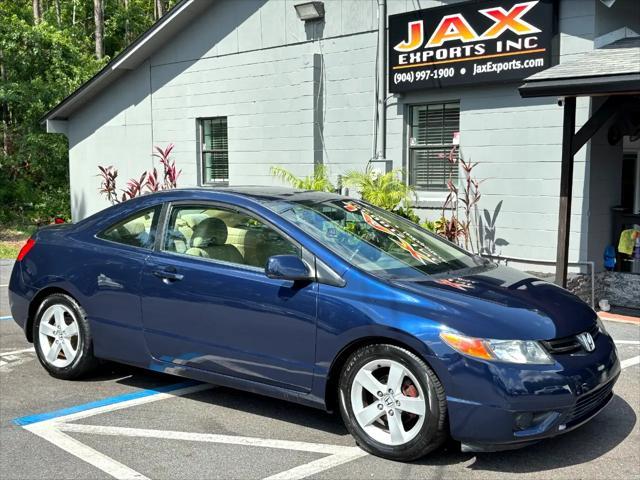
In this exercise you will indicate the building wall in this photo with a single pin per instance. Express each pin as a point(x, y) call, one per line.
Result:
point(297, 93)
point(113, 130)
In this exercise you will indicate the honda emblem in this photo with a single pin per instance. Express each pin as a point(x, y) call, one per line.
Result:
point(586, 340)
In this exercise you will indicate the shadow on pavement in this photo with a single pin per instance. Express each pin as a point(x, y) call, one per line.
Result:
point(587, 443)
point(130, 376)
point(272, 408)
point(229, 398)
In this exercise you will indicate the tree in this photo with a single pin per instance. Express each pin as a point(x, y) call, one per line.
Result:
point(48, 48)
point(40, 65)
point(159, 9)
point(37, 11)
point(98, 16)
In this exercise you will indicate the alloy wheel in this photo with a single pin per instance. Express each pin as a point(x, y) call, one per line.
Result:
point(388, 402)
point(59, 336)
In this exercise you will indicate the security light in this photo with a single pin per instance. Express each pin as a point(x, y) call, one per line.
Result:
point(310, 11)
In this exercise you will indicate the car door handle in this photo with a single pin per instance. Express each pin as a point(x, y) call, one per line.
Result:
point(168, 276)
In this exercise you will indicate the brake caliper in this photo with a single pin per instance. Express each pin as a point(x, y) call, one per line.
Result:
point(409, 390)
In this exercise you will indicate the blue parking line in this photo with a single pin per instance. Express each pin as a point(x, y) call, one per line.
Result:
point(8, 317)
point(41, 417)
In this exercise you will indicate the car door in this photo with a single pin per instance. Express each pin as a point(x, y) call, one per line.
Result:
point(112, 265)
point(207, 303)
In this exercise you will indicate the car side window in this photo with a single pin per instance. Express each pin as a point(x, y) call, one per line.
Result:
point(226, 235)
point(137, 230)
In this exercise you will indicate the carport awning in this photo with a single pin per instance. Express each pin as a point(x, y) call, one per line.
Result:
point(614, 71)
point(610, 70)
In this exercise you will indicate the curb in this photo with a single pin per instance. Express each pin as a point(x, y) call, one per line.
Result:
point(614, 317)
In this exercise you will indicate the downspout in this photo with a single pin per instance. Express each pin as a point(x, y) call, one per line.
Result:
point(381, 132)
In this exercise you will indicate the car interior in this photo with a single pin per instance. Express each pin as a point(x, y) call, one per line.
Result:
point(224, 235)
point(137, 232)
point(208, 233)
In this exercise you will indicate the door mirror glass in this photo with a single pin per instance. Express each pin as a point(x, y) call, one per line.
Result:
point(287, 267)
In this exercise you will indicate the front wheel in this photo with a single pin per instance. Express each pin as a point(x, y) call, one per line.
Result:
point(62, 338)
point(392, 403)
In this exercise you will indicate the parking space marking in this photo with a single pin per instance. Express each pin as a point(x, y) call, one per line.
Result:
point(8, 317)
point(10, 360)
point(319, 465)
point(111, 404)
point(209, 437)
point(629, 362)
point(17, 352)
point(53, 425)
point(85, 453)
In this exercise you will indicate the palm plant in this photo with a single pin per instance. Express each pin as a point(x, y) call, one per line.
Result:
point(318, 181)
point(385, 190)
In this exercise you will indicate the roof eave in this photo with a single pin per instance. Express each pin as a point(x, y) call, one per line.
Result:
point(132, 56)
point(582, 86)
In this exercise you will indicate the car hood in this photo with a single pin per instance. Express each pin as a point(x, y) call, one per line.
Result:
point(500, 302)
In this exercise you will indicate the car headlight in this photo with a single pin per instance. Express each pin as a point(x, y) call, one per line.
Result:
point(510, 351)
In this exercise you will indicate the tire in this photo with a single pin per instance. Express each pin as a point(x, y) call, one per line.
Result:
point(65, 351)
point(389, 423)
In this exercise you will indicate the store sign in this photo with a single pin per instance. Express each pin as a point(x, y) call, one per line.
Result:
point(477, 42)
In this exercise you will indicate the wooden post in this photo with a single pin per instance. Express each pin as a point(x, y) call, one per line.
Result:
point(566, 184)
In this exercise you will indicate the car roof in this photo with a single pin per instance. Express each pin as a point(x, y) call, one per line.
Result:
point(262, 194)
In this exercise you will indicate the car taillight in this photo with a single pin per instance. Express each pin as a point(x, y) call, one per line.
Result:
point(25, 249)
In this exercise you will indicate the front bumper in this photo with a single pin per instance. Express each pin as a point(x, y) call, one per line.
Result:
point(517, 405)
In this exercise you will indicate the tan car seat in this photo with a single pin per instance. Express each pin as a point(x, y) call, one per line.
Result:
point(260, 244)
point(209, 241)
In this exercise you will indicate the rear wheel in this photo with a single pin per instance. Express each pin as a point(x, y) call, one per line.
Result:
point(62, 338)
point(392, 403)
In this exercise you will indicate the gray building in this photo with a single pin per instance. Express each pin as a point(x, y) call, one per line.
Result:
point(243, 85)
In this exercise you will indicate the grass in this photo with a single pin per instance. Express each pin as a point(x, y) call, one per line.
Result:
point(12, 237)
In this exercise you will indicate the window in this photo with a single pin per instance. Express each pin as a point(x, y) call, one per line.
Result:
point(137, 231)
point(378, 242)
point(215, 150)
point(226, 235)
point(431, 129)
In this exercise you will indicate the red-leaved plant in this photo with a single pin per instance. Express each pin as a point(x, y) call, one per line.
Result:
point(171, 174)
point(458, 227)
point(148, 181)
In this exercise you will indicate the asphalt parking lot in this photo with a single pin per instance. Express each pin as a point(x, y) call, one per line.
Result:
point(140, 424)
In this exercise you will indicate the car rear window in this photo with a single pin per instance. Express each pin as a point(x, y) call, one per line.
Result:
point(138, 230)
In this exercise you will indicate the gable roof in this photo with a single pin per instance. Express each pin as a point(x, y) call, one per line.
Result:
point(132, 56)
point(614, 68)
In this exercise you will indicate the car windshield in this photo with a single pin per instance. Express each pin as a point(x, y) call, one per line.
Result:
point(377, 241)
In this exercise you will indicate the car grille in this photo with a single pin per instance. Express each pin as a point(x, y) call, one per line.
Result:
point(591, 402)
point(568, 344)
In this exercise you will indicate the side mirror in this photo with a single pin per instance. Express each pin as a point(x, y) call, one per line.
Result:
point(287, 267)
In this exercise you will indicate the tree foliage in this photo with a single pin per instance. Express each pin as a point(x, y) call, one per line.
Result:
point(47, 50)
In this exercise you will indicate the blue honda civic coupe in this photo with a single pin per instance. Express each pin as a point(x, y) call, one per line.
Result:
point(322, 300)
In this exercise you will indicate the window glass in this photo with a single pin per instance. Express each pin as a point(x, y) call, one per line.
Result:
point(431, 145)
point(377, 241)
point(138, 230)
point(225, 235)
point(215, 150)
